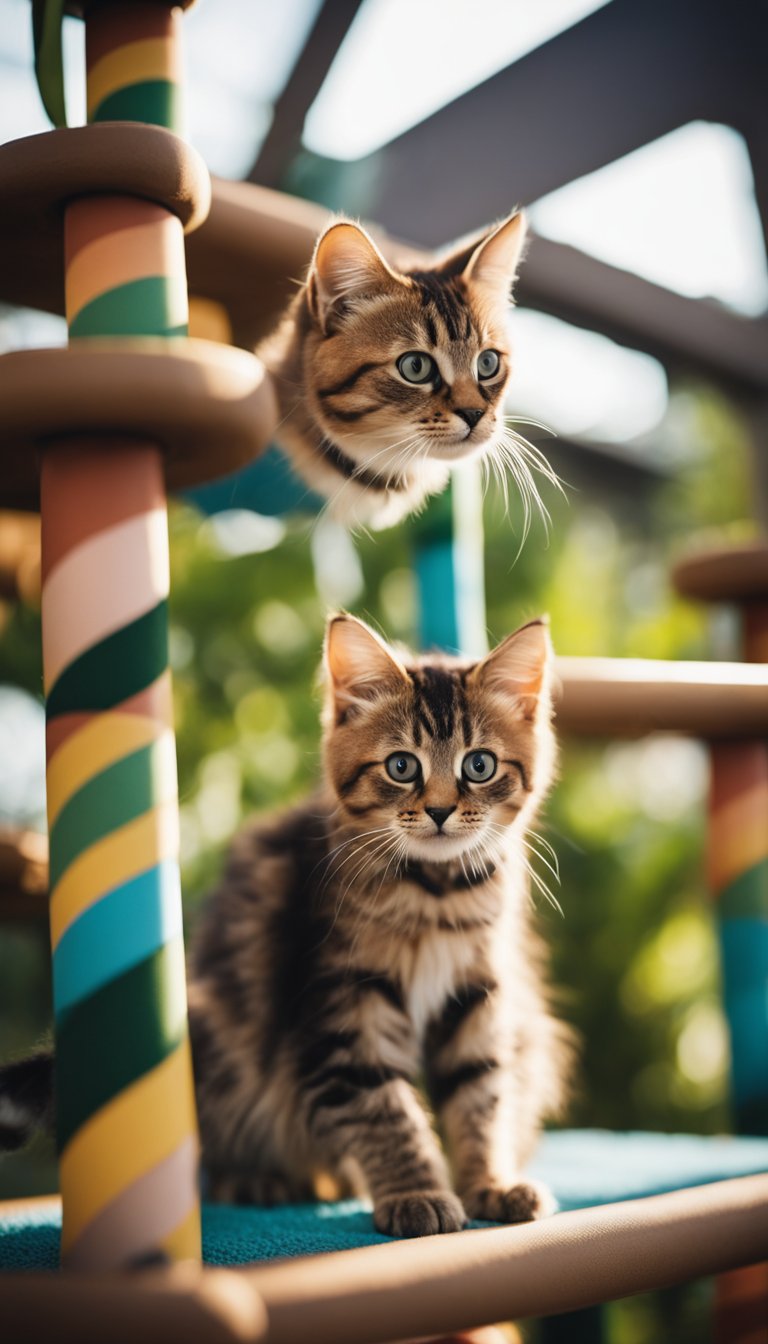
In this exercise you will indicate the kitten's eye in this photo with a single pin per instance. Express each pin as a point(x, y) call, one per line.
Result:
point(416, 367)
point(403, 766)
point(488, 363)
point(479, 766)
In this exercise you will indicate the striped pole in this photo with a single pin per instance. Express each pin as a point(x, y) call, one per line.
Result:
point(133, 63)
point(126, 1120)
point(447, 540)
point(738, 875)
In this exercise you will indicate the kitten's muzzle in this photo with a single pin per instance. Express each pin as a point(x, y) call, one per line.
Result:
point(470, 415)
point(439, 814)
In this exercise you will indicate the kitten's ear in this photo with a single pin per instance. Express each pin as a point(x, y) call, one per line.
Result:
point(519, 667)
point(347, 266)
point(495, 260)
point(359, 664)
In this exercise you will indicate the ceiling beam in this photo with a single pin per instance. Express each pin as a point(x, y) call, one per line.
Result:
point(688, 335)
point(283, 139)
point(617, 80)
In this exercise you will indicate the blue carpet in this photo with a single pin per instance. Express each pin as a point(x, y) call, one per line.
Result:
point(583, 1168)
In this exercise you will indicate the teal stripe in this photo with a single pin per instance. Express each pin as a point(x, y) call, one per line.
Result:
point(744, 951)
point(116, 1035)
point(435, 566)
point(124, 928)
point(125, 790)
point(156, 101)
point(747, 895)
point(119, 666)
point(147, 307)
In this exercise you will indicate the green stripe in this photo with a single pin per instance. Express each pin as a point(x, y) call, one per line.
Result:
point(119, 666)
point(157, 101)
point(747, 895)
point(114, 1037)
point(146, 307)
point(126, 789)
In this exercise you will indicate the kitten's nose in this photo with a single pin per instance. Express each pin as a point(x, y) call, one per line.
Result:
point(469, 415)
point(439, 814)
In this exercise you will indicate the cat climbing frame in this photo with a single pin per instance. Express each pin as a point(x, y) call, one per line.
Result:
point(132, 408)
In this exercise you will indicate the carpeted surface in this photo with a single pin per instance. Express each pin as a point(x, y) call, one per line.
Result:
point(583, 1168)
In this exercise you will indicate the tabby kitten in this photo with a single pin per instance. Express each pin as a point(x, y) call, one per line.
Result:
point(385, 377)
point(379, 936)
point(375, 938)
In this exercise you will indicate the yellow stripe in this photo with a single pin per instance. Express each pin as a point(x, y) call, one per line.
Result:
point(104, 740)
point(738, 836)
point(183, 1243)
point(132, 253)
point(129, 1136)
point(134, 848)
point(209, 320)
point(151, 58)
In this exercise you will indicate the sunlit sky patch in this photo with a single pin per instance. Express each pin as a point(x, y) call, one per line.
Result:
point(581, 383)
point(402, 61)
point(680, 211)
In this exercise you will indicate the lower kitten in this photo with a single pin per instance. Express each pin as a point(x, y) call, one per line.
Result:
point(379, 936)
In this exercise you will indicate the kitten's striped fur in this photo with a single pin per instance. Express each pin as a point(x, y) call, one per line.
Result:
point(361, 435)
point(353, 950)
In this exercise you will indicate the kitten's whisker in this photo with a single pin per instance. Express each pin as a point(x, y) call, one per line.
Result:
point(542, 887)
point(533, 838)
point(528, 420)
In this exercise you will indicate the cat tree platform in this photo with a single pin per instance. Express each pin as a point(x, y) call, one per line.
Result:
point(372, 1290)
point(210, 407)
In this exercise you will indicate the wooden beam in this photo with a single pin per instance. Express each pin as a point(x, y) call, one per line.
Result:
point(631, 697)
point(283, 139)
point(621, 78)
point(693, 335)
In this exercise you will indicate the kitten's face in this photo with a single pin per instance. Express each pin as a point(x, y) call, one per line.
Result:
point(410, 367)
point(437, 759)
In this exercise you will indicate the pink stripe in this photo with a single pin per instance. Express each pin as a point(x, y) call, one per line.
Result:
point(138, 1220)
point(105, 583)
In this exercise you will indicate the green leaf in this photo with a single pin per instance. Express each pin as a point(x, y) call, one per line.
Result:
point(47, 18)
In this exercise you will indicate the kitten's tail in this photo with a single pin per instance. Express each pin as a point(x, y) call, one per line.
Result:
point(26, 1099)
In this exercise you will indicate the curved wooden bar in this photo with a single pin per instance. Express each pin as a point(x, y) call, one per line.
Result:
point(630, 697)
point(739, 574)
point(19, 557)
point(424, 1287)
point(39, 174)
point(23, 875)
point(211, 408)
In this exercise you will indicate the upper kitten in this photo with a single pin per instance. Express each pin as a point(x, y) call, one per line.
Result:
point(385, 377)
point(379, 935)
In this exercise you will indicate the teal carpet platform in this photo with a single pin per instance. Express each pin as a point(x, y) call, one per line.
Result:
point(582, 1167)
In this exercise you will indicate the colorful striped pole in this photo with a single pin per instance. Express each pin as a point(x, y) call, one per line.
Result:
point(738, 872)
point(449, 566)
point(133, 63)
point(738, 876)
point(126, 1118)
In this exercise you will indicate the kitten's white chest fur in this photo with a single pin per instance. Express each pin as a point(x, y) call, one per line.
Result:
point(430, 970)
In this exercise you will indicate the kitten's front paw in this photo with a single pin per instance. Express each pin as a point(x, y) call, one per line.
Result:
point(419, 1215)
point(521, 1203)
